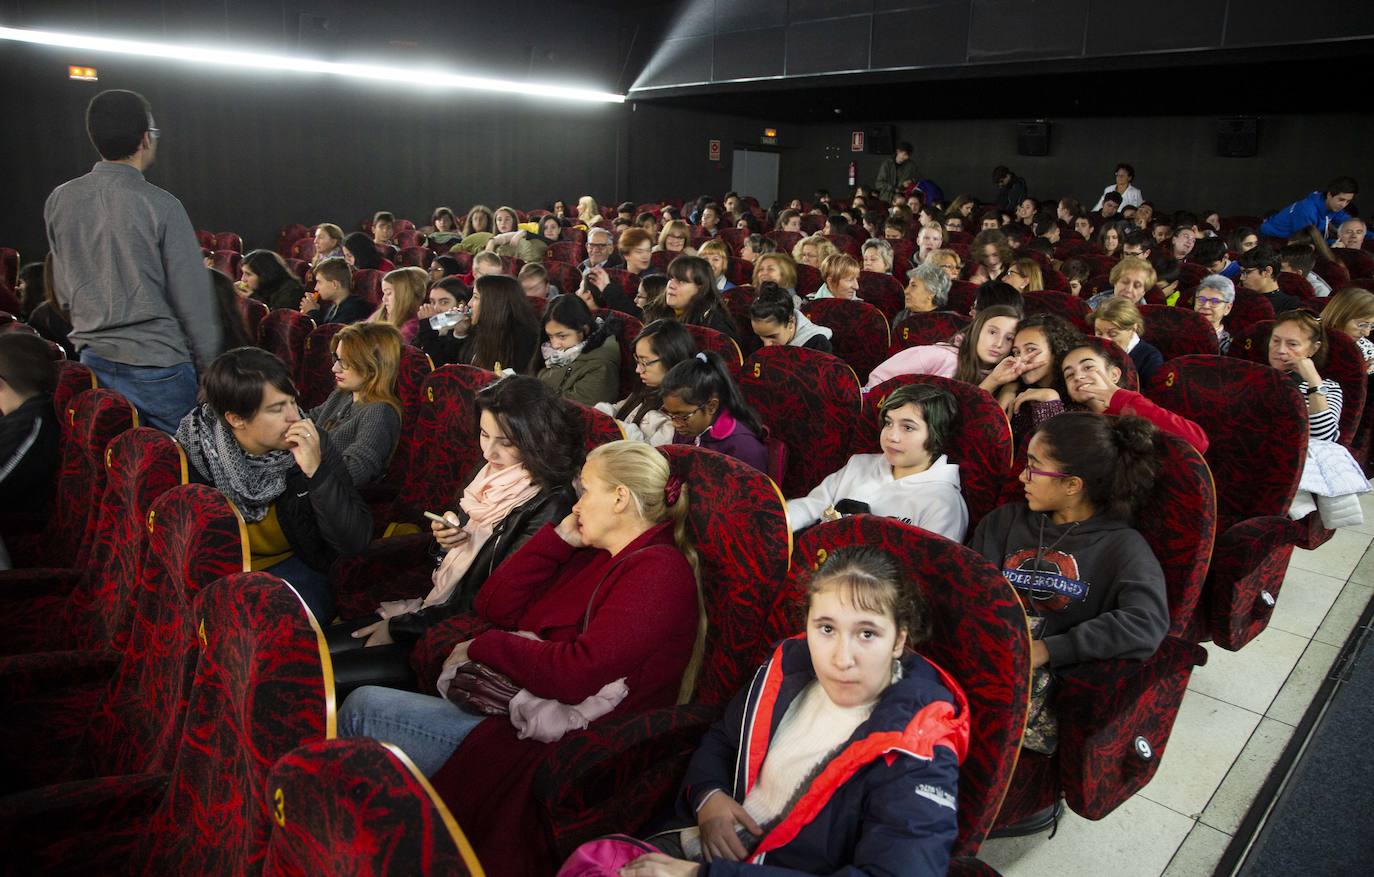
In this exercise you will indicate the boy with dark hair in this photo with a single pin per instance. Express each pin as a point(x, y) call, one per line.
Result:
point(1259, 270)
point(1299, 259)
point(1322, 210)
point(250, 440)
point(1210, 253)
point(334, 286)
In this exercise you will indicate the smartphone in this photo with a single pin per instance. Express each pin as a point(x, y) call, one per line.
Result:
point(440, 519)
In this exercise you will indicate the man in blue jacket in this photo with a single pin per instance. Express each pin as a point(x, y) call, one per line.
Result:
point(1324, 211)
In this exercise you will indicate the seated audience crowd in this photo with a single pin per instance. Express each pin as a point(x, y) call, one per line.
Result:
point(568, 574)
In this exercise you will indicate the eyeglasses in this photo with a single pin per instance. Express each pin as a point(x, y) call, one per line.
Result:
point(1030, 472)
point(596, 246)
point(680, 419)
point(1245, 271)
point(1208, 300)
point(155, 133)
point(1364, 325)
point(341, 364)
point(645, 363)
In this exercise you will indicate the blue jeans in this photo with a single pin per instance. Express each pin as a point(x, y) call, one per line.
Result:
point(163, 396)
point(428, 729)
point(311, 584)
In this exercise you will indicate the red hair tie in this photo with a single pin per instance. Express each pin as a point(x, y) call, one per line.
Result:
point(672, 491)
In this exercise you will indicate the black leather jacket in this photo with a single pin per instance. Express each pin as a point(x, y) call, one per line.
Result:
point(548, 507)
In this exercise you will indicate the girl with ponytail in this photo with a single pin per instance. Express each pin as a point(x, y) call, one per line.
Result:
point(1090, 584)
point(707, 409)
point(599, 616)
point(1082, 571)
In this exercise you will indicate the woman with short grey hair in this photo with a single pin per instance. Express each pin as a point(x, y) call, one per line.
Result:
point(1213, 299)
point(877, 255)
point(927, 289)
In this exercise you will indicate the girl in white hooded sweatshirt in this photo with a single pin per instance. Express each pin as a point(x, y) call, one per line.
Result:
point(910, 479)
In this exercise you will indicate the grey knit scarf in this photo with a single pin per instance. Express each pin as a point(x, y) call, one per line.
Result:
point(252, 482)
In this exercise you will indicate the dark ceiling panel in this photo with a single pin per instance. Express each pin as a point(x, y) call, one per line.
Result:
point(933, 36)
point(1267, 22)
point(1118, 28)
point(750, 54)
point(748, 14)
point(1007, 30)
point(828, 46)
point(810, 10)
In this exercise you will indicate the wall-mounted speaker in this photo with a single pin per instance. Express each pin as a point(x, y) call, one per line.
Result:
point(880, 139)
point(1033, 138)
point(1238, 137)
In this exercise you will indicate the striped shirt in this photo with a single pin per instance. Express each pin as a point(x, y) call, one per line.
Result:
point(1325, 425)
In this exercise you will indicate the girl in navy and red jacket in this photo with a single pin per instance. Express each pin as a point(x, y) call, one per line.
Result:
point(841, 757)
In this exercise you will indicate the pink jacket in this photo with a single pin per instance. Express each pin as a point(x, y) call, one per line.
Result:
point(930, 359)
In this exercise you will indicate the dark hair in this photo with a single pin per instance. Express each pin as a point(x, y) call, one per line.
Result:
point(1260, 257)
point(1300, 257)
point(384, 216)
point(364, 252)
point(697, 379)
point(653, 286)
point(1114, 456)
point(751, 222)
point(1139, 238)
point(875, 583)
point(27, 364)
point(1114, 197)
point(455, 287)
point(34, 287)
point(1237, 235)
point(1343, 184)
point(904, 146)
point(1166, 269)
point(444, 211)
point(1061, 336)
point(999, 292)
point(938, 407)
point(672, 344)
point(573, 312)
point(1129, 169)
point(968, 368)
point(505, 314)
point(696, 270)
point(1207, 251)
point(547, 430)
point(839, 223)
point(116, 121)
point(773, 303)
point(1076, 268)
point(999, 172)
point(273, 275)
point(234, 382)
point(230, 313)
point(1044, 226)
point(448, 266)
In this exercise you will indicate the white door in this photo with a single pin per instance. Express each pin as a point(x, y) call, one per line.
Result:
point(755, 173)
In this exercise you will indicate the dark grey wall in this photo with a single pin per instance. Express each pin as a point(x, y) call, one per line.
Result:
point(724, 41)
point(1175, 158)
point(249, 153)
point(668, 150)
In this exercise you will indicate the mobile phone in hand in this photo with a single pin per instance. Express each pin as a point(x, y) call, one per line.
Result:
point(440, 519)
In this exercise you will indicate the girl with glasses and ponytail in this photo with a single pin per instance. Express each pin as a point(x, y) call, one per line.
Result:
point(1089, 581)
point(707, 409)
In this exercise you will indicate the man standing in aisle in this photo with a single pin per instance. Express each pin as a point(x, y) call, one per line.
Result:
point(127, 266)
point(896, 173)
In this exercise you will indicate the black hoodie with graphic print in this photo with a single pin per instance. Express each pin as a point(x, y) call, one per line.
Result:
point(1117, 606)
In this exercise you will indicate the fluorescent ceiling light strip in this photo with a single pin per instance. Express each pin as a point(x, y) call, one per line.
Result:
point(206, 55)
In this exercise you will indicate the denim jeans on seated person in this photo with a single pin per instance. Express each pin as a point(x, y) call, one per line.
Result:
point(163, 396)
point(311, 584)
point(427, 728)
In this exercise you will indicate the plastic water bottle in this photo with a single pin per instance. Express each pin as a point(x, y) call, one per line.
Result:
point(448, 319)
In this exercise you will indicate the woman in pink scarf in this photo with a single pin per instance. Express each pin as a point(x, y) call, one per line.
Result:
point(531, 447)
